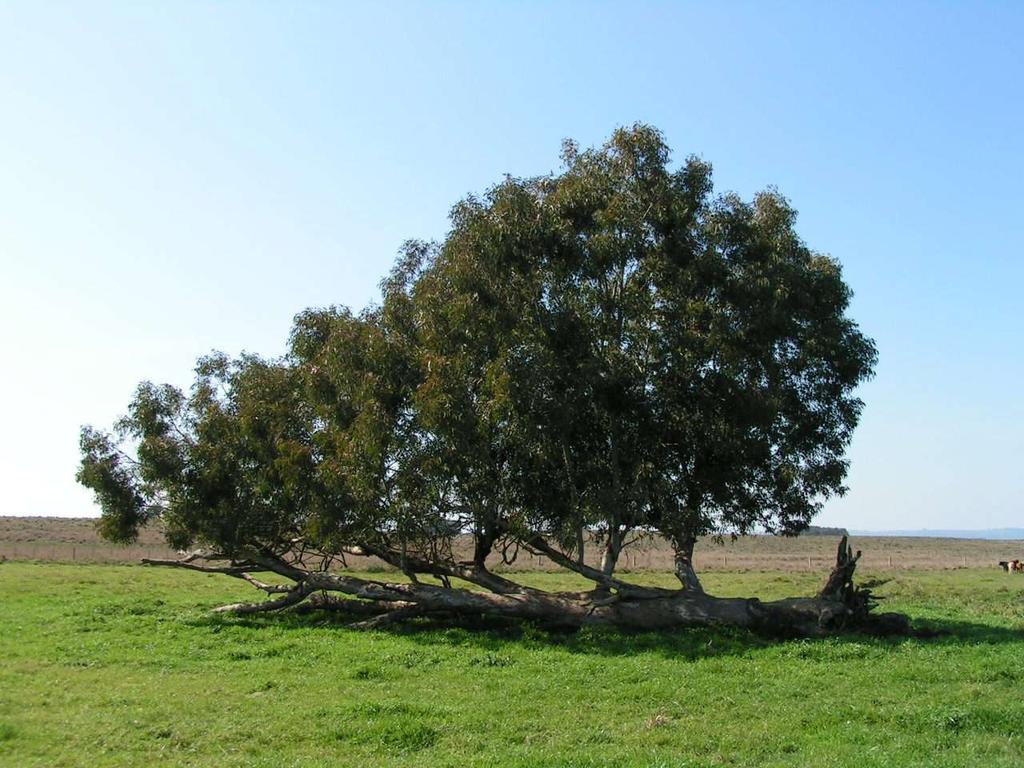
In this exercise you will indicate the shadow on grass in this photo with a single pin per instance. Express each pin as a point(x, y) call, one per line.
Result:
point(496, 636)
point(938, 631)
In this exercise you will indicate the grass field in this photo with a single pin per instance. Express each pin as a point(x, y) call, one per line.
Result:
point(105, 665)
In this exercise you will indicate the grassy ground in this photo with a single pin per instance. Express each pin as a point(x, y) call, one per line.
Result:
point(106, 665)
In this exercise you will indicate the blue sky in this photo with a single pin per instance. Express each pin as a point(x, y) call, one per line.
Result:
point(181, 177)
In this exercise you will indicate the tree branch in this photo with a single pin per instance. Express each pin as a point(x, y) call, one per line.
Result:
point(295, 595)
point(538, 545)
point(189, 564)
point(275, 564)
point(390, 617)
point(270, 589)
point(472, 573)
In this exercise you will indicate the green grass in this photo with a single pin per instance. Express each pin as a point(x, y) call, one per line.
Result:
point(123, 666)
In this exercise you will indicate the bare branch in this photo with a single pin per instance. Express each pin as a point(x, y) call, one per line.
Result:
point(271, 562)
point(538, 545)
point(270, 589)
point(295, 595)
point(470, 572)
point(189, 564)
point(328, 602)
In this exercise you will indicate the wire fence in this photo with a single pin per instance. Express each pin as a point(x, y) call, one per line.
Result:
point(724, 561)
point(80, 552)
point(715, 558)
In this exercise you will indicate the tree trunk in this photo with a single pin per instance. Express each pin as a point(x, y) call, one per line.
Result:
point(839, 605)
point(683, 546)
point(612, 549)
point(678, 609)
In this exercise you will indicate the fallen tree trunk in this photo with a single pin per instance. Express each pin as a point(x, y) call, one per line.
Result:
point(839, 606)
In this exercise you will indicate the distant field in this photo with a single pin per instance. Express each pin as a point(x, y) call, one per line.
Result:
point(110, 666)
point(71, 539)
point(66, 539)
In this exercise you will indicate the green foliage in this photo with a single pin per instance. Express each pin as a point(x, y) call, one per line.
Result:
point(610, 347)
point(229, 464)
point(112, 666)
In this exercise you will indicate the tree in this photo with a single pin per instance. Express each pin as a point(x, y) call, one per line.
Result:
point(595, 354)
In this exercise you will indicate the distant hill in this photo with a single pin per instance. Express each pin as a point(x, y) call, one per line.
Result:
point(997, 534)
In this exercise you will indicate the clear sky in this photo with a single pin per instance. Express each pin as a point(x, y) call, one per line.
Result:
point(180, 177)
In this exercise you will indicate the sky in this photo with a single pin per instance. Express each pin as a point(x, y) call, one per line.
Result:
point(182, 177)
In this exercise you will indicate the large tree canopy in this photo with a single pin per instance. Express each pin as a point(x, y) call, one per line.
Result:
point(589, 355)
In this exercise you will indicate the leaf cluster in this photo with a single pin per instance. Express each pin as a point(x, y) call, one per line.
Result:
point(612, 348)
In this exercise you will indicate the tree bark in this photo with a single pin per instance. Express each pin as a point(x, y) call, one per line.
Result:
point(683, 546)
point(840, 605)
point(792, 616)
point(612, 550)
